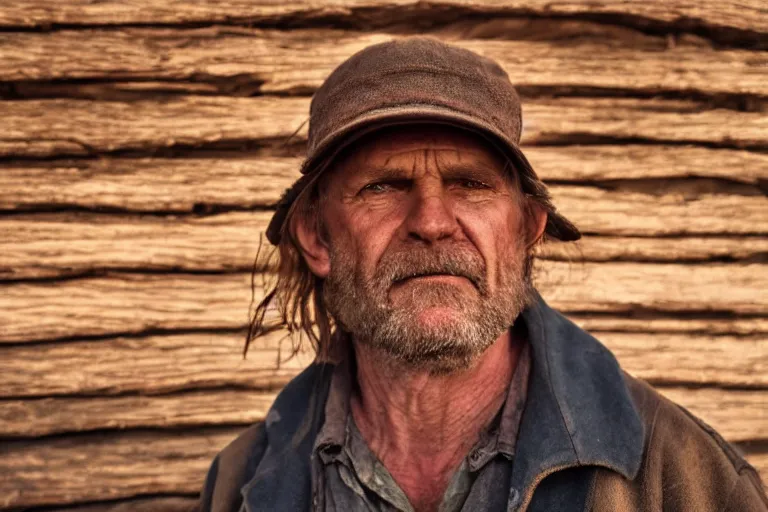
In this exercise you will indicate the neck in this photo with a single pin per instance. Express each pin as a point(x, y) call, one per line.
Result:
point(420, 425)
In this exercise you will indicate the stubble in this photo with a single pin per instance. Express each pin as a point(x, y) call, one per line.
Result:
point(362, 305)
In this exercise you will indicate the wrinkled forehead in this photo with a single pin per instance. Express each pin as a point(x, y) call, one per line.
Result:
point(413, 146)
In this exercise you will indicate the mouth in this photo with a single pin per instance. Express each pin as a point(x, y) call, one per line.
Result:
point(435, 277)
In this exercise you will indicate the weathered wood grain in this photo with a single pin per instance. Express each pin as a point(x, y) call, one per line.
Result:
point(45, 416)
point(136, 303)
point(153, 364)
point(162, 364)
point(635, 213)
point(177, 184)
point(699, 359)
point(737, 415)
point(669, 250)
point(77, 244)
point(107, 466)
point(662, 287)
point(122, 465)
point(124, 304)
point(153, 184)
point(746, 15)
point(737, 326)
point(73, 244)
point(299, 60)
point(44, 128)
point(159, 504)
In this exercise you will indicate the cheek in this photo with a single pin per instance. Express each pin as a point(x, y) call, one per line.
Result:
point(496, 232)
point(364, 236)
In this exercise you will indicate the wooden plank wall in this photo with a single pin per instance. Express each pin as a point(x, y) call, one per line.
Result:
point(143, 143)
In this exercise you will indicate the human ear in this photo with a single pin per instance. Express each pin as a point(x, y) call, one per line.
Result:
point(536, 222)
point(305, 230)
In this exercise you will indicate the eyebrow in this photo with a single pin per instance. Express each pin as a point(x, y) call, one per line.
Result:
point(448, 171)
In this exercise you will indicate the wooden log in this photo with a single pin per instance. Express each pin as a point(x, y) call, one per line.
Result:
point(78, 244)
point(150, 184)
point(162, 364)
point(122, 465)
point(75, 244)
point(673, 214)
point(178, 184)
point(689, 358)
point(299, 60)
point(737, 326)
point(44, 128)
point(661, 287)
point(738, 415)
point(150, 365)
point(30, 418)
point(159, 504)
point(132, 303)
point(746, 15)
point(98, 467)
point(670, 250)
point(124, 304)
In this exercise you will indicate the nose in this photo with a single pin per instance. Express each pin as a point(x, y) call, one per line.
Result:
point(430, 217)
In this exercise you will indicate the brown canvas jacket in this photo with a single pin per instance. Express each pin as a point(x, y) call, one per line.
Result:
point(687, 466)
point(592, 438)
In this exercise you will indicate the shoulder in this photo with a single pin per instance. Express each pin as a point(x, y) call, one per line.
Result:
point(686, 465)
point(235, 465)
point(231, 469)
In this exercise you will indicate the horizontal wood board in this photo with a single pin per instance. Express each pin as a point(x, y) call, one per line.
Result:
point(154, 504)
point(745, 15)
point(299, 60)
point(50, 127)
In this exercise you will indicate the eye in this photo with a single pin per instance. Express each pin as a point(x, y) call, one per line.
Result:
point(471, 184)
point(381, 187)
point(376, 188)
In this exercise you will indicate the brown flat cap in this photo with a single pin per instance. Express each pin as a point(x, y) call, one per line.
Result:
point(416, 80)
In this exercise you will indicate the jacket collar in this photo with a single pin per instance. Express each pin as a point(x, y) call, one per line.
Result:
point(578, 413)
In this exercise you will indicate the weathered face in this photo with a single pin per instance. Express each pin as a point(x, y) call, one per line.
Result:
point(425, 235)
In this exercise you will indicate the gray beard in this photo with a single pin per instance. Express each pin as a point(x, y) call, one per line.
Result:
point(360, 305)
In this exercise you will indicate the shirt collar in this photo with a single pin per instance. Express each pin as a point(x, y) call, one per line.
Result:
point(332, 435)
point(499, 438)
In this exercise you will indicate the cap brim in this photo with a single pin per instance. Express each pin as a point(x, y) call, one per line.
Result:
point(558, 227)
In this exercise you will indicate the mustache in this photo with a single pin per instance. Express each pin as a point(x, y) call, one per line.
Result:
point(416, 262)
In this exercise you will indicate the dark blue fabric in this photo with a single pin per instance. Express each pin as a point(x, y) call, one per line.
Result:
point(578, 413)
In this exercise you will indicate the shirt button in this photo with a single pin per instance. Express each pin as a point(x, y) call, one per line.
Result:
point(513, 501)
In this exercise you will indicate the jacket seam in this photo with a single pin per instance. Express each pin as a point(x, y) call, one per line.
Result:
point(736, 460)
point(729, 500)
point(651, 436)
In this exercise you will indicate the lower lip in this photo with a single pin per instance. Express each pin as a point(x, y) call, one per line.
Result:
point(437, 278)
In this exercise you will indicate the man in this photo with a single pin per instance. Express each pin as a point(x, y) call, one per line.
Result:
point(448, 384)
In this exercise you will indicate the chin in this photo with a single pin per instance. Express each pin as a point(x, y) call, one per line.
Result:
point(438, 317)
